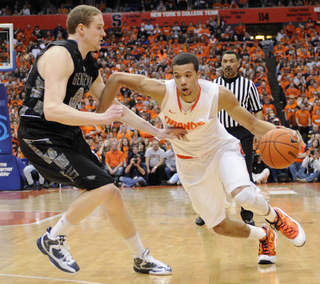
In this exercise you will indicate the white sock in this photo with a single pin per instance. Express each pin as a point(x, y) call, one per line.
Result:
point(272, 215)
point(62, 228)
point(135, 245)
point(256, 233)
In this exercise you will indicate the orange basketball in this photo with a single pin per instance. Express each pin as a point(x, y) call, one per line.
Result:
point(279, 148)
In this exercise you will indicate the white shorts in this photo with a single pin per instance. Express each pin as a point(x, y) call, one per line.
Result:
point(208, 178)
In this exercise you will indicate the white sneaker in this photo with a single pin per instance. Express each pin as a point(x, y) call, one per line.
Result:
point(57, 250)
point(148, 265)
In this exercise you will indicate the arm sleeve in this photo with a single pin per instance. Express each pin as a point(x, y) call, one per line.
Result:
point(254, 98)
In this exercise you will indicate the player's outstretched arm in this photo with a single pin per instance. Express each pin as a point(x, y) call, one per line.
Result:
point(229, 103)
point(137, 122)
point(139, 83)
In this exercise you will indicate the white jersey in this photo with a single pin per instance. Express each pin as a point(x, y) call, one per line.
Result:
point(205, 133)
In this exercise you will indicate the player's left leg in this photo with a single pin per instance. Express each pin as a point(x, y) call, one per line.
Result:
point(238, 229)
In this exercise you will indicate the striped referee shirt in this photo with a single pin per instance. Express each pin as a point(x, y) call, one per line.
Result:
point(245, 92)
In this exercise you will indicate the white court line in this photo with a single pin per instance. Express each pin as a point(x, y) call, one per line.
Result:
point(48, 278)
point(275, 192)
point(37, 222)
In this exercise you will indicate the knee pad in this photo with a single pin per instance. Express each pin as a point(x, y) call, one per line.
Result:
point(251, 199)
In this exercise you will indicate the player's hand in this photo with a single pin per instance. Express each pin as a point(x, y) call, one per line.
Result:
point(113, 113)
point(172, 132)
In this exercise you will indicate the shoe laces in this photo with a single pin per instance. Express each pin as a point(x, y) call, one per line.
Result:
point(266, 244)
point(148, 258)
point(64, 248)
point(284, 225)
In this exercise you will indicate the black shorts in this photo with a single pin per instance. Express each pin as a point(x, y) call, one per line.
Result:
point(68, 161)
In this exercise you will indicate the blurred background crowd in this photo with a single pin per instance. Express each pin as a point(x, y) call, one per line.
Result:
point(148, 50)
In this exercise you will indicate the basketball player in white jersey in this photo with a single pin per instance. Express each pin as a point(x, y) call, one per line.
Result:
point(209, 159)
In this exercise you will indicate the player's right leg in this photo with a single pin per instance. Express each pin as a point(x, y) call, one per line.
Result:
point(236, 181)
point(251, 198)
point(71, 161)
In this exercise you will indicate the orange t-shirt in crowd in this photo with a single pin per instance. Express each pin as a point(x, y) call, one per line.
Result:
point(114, 159)
point(292, 92)
point(128, 135)
point(146, 135)
point(265, 107)
point(303, 117)
point(316, 119)
point(289, 110)
point(166, 31)
point(302, 150)
point(240, 30)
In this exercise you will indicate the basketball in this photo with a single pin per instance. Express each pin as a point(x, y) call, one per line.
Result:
point(279, 148)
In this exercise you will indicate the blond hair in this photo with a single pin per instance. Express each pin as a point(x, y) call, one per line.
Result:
point(82, 14)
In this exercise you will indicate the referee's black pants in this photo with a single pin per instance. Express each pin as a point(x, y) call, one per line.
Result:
point(246, 139)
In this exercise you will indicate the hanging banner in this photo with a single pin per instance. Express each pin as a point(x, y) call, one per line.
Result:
point(230, 17)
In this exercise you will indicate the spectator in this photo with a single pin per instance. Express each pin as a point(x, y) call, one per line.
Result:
point(303, 118)
point(295, 167)
point(31, 174)
point(59, 30)
point(176, 29)
point(135, 173)
point(289, 29)
point(126, 8)
point(114, 162)
point(105, 147)
point(170, 162)
point(289, 110)
point(149, 28)
point(161, 6)
point(172, 181)
point(260, 171)
point(25, 11)
point(142, 31)
point(240, 30)
point(310, 169)
point(38, 33)
point(155, 157)
point(63, 10)
point(171, 7)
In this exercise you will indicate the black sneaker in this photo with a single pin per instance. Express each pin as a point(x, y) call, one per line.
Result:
point(200, 221)
point(57, 250)
point(148, 265)
point(249, 222)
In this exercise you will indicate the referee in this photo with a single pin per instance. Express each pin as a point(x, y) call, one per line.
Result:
point(248, 97)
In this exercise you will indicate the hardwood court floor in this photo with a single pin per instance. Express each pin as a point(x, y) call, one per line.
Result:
point(166, 223)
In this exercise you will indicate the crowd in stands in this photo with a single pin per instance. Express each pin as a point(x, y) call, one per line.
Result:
point(32, 7)
point(148, 50)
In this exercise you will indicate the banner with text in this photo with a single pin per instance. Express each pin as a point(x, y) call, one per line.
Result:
point(230, 16)
point(11, 173)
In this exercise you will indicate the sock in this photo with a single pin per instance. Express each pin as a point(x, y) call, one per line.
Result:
point(256, 233)
point(271, 216)
point(135, 245)
point(62, 228)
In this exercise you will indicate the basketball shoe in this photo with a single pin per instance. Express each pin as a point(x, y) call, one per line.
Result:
point(267, 247)
point(289, 227)
point(148, 265)
point(57, 250)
